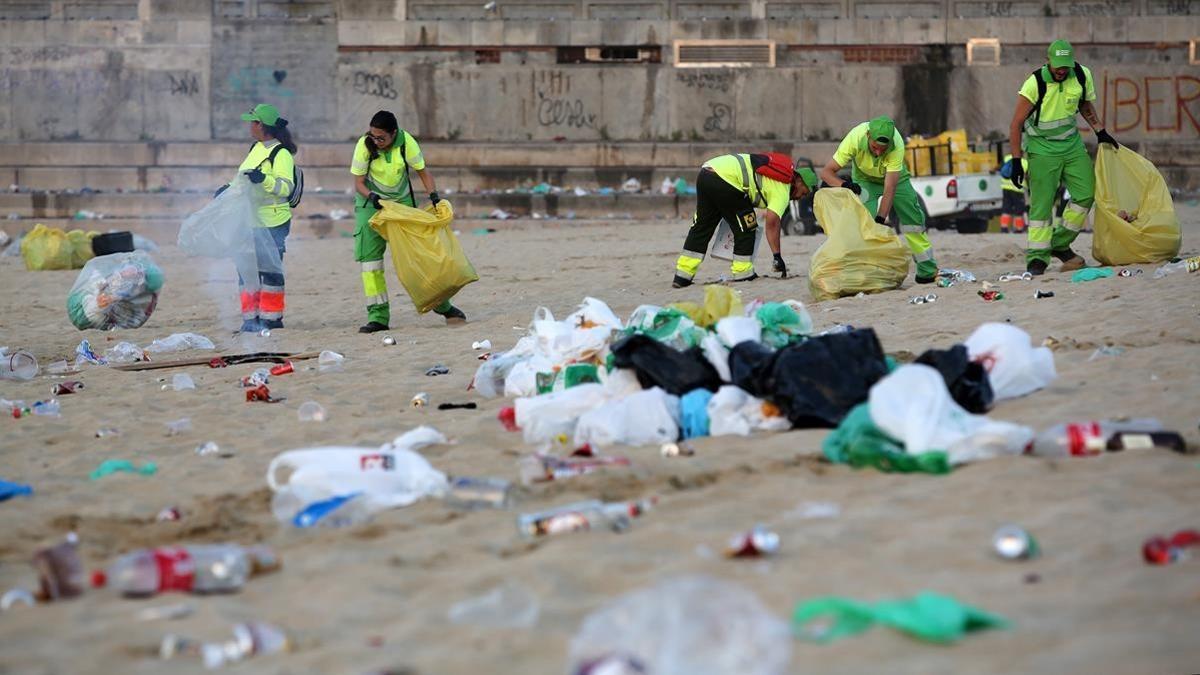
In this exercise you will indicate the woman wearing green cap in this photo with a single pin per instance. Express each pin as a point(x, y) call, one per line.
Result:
point(875, 152)
point(1044, 129)
point(270, 164)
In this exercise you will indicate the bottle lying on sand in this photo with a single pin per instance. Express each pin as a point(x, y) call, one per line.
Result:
point(582, 516)
point(1092, 438)
point(1186, 265)
point(209, 568)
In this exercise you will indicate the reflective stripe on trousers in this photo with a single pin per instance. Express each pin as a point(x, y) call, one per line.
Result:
point(1039, 235)
point(687, 265)
point(1075, 217)
point(271, 302)
point(374, 282)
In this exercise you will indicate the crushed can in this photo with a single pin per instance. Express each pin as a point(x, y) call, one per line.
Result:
point(1014, 543)
point(420, 400)
point(756, 543)
point(283, 369)
point(68, 387)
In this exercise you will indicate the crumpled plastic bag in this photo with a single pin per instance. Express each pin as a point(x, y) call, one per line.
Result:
point(913, 405)
point(119, 290)
point(582, 335)
point(928, 616)
point(386, 477)
point(649, 417)
point(719, 302)
point(1015, 367)
point(177, 342)
point(658, 365)
point(693, 625)
point(859, 255)
point(733, 412)
point(783, 322)
point(670, 326)
point(693, 413)
point(428, 259)
point(857, 441)
point(815, 382)
point(545, 418)
point(1126, 181)
point(50, 248)
point(967, 380)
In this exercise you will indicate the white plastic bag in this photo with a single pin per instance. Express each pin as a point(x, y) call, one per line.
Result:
point(390, 476)
point(1015, 367)
point(717, 354)
point(913, 405)
point(649, 417)
point(543, 418)
point(737, 329)
point(522, 379)
point(619, 383)
point(177, 342)
point(694, 625)
point(733, 412)
point(491, 374)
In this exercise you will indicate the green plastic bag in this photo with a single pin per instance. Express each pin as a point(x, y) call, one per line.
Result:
point(669, 326)
point(783, 322)
point(111, 466)
point(1091, 274)
point(928, 616)
point(571, 375)
point(858, 442)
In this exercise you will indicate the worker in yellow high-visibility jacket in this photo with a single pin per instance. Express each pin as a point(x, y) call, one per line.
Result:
point(1044, 128)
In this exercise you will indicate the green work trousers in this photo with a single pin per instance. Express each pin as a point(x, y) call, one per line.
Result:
point(1046, 172)
point(369, 248)
point(907, 206)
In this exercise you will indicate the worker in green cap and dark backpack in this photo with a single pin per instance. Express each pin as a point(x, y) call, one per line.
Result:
point(1046, 107)
point(382, 158)
point(875, 151)
point(730, 188)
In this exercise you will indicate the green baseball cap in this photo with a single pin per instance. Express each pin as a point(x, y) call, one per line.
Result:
point(1061, 54)
point(263, 112)
point(881, 129)
point(808, 176)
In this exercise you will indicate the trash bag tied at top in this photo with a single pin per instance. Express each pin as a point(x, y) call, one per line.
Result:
point(859, 256)
point(1128, 185)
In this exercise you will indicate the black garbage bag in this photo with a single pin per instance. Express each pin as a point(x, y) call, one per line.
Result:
point(967, 381)
point(815, 382)
point(658, 365)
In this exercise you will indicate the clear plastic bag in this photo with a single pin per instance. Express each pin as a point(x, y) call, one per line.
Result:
point(731, 411)
point(177, 342)
point(115, 291)
point(229, 227)
point(913, 405)
point(649, 417)
point(1128, 184)
point(695, 625)
point(859, 255)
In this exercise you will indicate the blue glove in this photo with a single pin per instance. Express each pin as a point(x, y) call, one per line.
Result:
point(256, 176)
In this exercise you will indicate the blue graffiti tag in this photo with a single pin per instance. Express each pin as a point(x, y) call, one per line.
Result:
point(259, 83)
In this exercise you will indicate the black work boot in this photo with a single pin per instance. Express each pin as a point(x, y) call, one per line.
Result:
point(1036, 267)
point(454, 315)
point(372, 327)
point(1071, 260)
point(680, 282)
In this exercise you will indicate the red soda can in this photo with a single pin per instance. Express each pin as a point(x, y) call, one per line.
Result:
point(991, 296)
point(283, 369)
point(259, 393)
point(753, 544)
point(1164, 551)
point(68, 387)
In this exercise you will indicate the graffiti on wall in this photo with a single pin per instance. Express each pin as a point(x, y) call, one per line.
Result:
point(720, 119)
point(718, 81)
point(1151, 103)
point(259, 83)
point(371, 84)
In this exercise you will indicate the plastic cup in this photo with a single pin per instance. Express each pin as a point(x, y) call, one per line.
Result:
point(18, 365)
point(312, 411)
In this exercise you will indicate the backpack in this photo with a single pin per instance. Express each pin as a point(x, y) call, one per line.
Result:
point(1006, 169)
point(774, 165)
point(1080, 77)
point(297, 178)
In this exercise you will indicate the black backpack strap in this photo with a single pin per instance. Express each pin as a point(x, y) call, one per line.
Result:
point(1041, 87)
point(1081, 77)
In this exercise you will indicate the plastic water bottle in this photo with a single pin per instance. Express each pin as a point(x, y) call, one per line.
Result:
point(467, 494)
point(214, 568)
point(1186, 265)
point(581, 516)
point(1085, 438)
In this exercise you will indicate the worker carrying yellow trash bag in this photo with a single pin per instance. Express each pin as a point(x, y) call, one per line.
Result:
point(1135, 219)
point(860, 255)
point(428, 259)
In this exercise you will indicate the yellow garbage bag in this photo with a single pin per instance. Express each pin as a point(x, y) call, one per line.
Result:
point(50, 248)
point(860, 255)
point(429, 261)
point(1127, 184)
point(719, 302)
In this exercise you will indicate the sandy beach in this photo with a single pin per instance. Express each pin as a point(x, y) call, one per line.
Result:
point(374, 597)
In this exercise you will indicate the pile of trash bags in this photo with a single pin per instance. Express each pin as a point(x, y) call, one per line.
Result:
point(723, 367)
point(859, 255)
point(119, 290)
point(1135, 218)
point(428, 259)
point(50, 248)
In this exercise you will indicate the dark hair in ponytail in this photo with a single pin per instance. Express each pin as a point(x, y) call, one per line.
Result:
point(384, 119)
point(280, 133)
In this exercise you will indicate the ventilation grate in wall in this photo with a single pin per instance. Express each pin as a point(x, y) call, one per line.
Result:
point(724, 53)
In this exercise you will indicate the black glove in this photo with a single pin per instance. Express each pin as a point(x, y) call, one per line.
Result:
point(1104, 137)
point(256, 176)
point(853, 187)
point(220, 190)
point(373, 200)
point(434, 198)
point(1018, 172)
point(780, 266)
point(881, 220)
